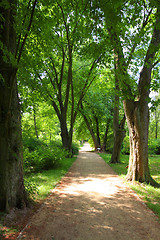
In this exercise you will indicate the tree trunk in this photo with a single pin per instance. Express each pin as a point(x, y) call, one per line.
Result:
point(118, 139)
point(97, 132)
point(137, 115)
point(156, 122)
point(66, 141)
point(105, 137)
point(94, 139)
point(35, 123)
point(12, 191)
point(119, 131)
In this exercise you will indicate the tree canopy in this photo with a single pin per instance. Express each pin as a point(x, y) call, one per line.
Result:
point(70, 64)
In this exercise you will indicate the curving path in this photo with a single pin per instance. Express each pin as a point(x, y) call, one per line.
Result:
point(92, 203)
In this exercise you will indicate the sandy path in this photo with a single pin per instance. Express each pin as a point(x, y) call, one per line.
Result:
point(92, 203)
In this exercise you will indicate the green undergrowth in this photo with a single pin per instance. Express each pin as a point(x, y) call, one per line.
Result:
point(40, 184)
point(149, 194)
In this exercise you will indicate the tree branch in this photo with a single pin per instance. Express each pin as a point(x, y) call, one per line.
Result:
point(55, 70)
point(20, 35)
point(28, 29)
point(138, 36)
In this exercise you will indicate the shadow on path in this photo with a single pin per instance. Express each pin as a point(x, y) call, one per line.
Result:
point(92, 203)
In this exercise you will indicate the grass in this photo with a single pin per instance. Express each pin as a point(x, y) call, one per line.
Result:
point(45, 181)
point(149, 194)
point(42, 183)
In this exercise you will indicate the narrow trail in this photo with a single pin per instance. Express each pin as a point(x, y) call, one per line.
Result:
point(92, 203)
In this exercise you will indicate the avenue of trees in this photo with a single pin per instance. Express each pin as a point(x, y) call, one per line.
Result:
point(72, 70)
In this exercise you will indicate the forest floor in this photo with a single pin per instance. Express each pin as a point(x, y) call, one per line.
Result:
point(92, 203)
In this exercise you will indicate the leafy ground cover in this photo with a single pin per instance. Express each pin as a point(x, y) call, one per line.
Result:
point(149, 194)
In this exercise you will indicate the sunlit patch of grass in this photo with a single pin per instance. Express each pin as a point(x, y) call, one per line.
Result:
point(46, 180)
point(149, 194)
point(119, 168)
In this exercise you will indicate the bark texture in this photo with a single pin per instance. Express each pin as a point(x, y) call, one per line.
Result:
point(137, 115)
point(118, 140)
point(12, 192)
point(119, 131)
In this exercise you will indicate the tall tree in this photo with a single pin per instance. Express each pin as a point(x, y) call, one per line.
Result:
point(118, 125)
point(61, 75)
point(12, 192)
point(135, 102)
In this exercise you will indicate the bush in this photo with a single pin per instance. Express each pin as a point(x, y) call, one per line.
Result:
point(32, 143)
point(40, 156)
point(31, 188)
point(110, 142)
point(126, 146)
point(75, 148)
point(154, 146)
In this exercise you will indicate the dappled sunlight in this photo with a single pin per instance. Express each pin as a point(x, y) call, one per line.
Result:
point(90, 185)
point(92, 202)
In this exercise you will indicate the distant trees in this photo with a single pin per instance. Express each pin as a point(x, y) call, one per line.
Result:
point(64, 51)
point(97, 109)
point(60, 74)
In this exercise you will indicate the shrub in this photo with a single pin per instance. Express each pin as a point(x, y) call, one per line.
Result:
point(75, 148)
point(42, 156)
point(126, 146)
point(154, 146)
point(32, 143)
point(110, 142)
point(31, 188)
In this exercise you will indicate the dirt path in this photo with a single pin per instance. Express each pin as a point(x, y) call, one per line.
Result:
point(92, 203)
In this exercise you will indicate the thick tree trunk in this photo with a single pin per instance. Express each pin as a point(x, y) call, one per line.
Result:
point(66, 138)
point(12, 191)
point(137, 115)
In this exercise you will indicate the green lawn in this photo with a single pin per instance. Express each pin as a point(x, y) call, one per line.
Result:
point(149, 194)
point(42, 183)
point(45, 181)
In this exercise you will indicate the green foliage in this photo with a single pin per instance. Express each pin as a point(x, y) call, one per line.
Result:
point(110, 141)
point(32, 144)
point(75, 148)
point(45, 181)
point(154, 146)
point(119, 168)
point(39, 156)
point(126, 146)
point(31, 188)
